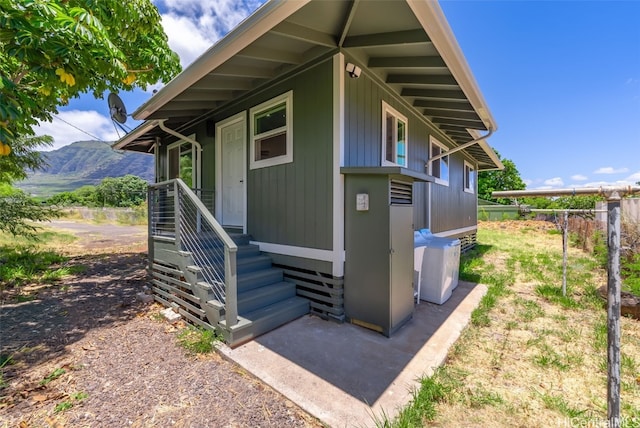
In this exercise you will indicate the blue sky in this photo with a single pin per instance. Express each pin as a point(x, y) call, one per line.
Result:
point(562, 79)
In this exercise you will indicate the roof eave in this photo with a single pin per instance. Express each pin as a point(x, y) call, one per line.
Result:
point(134, 135)
point(432, 19)
point(257, 24)
point(488, 150)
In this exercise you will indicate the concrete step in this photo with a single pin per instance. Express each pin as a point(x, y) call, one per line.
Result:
point(256, 279)
point(252, 300)
point(263, 320)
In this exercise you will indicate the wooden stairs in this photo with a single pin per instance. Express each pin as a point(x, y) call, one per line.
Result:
point(265, 300)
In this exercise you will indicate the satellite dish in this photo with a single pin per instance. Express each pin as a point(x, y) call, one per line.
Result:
point(117, 110)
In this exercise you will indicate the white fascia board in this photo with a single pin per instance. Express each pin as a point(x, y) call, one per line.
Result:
point(256, 25)
point(487, 149)
point(435, 24)
point(136, 133)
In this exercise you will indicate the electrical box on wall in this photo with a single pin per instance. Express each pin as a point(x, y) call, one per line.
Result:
point(362, 202)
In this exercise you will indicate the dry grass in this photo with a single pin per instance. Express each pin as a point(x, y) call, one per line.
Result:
point(541, 361)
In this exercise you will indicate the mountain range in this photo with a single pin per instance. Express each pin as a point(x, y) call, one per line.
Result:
point(85, 163)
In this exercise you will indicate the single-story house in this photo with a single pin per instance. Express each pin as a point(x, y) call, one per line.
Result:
point(296, 157)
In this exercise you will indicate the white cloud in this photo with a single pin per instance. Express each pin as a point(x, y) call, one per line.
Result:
point(633, 178)
point(193, 26)
point(527, 182)
point(71, 124)
point(607, 183)
point(579, 177)
point(610, 170)
point(185, 38)
point(554, 182)
point(543, 188)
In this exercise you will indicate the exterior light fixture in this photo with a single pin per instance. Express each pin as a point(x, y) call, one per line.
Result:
point(353, 70)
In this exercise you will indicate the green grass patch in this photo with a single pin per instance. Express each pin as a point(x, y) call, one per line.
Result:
point(496, 289)
point(434, 389)
point(600, 329)
point(553, 294)
point(548, 357)
point(197, 340)
point(5, 360)
point(68, 404)
point(52, 376)
point(528, 309)
point(479, 397)
point(24, 262)
point(559, 404)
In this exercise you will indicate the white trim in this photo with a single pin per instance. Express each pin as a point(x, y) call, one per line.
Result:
point(474, 170)
point(248, 31)
point(133, 135)
point(386, 108)
point(290, 250)
point(338, 161)
point(434, 142)
point(196, 163)
point(446, 233)
point(432, 19)
point(232, 120)
point(287, 98)
point(430, 189)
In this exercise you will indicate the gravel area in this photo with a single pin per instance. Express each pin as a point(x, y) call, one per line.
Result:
point(86, 353)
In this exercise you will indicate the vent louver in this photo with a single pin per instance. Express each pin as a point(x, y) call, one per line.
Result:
point(401, 193)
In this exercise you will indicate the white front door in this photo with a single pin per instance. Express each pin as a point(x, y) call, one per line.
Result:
point(232, 138)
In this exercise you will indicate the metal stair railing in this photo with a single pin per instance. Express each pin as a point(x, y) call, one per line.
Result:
point(176, 212)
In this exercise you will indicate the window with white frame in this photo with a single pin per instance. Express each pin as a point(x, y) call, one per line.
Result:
point(439, 168)
point(394, 137)
point(184, 162)
point(469, 178)
point(271, 132)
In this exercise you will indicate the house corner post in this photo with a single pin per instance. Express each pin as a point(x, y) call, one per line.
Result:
point(231, 287)
point(613, 309)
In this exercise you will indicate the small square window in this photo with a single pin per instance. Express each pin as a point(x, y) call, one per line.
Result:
point(439, 168)
point(469, 178)
point(394, 133)
point(271, 132)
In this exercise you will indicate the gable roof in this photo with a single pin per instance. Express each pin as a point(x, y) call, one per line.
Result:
point(407, 45)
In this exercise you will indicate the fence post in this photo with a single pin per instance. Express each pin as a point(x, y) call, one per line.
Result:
point(565, 238)
point(613, 309)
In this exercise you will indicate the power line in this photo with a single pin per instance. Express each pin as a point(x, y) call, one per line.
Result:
point(79, 129)
point(86, 132)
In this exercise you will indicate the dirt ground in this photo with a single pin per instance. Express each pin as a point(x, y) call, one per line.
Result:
point(86, 353)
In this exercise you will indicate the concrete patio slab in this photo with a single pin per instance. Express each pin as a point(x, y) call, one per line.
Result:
point(346, 375)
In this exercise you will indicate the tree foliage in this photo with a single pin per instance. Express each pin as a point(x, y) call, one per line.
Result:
point(54, 50)
point(506, 179)
point(16, 207)
point(126, 191)
point(580, 202)
point(23, 159)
